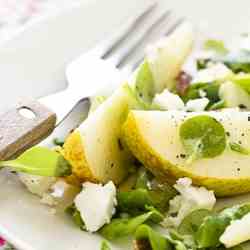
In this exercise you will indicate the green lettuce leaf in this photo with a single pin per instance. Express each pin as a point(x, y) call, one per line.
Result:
point(145, 236)
point(213, 226)
point(104, 245)
point(192, 221)
point(210, 89)
point(40, 161)
point(121, 227)
point(148, 192)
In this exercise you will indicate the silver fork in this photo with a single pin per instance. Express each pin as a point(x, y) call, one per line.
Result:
point(103, 67)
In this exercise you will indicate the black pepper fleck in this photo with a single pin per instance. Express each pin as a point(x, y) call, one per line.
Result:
point(240, 142)
point(242, 134)
point(120, 144)
point(248, 118)
point(183, 156)
point(227, 133)
point(242, 106)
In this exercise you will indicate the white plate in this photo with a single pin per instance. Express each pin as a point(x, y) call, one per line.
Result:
point(33, 62)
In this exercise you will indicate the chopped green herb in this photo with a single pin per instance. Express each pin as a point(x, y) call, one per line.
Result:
point(40, 161)
point(216, 45)
point(238, 148)
point(202, 137)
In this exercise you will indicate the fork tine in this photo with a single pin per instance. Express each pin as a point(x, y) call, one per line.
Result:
point(108, 44)
point(135, 40)
point(134, 61)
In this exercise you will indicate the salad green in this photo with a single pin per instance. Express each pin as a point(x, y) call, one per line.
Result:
point(176, 160)
point(40, 161)
point(122, 227)
point(203, 137)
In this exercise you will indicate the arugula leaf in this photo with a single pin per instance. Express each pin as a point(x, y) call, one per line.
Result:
point(216, 45)
point(181, 242)
point(134, 200)
point(237, 61)
point(218, 105)
point(144, 83)
point(157, 216)
point(210, 89)
point(76, 216)
point(202, 137)
point(105, 246)
point(192, 221)
point(238, 148)
point(122, 227)
point(146, 237)
point(213, 226)
point(148, 191)
point(40, 161)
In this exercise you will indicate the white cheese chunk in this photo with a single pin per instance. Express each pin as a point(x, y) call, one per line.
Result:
point(37, 184)
point(168, 101)
point(96, 204)
point(237, 232)
point(217, 71)
point(197, 105)
point(190, 198)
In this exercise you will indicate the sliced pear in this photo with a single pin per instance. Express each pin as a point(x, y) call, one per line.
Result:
point(167, 56)
point(234, 95)
point(94, 149)
point(153, 137)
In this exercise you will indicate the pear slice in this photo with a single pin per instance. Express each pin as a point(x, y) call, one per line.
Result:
point(95, 150)
point(234, 95)
point(167, 56)
point(153, 137)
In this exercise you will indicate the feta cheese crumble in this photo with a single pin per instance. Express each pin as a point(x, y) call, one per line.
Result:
point(237, 232)
point(37, 184)
point(190, 198)
point(215, 72)
point(96, 204)
point(51, 190)
point(168, 101)
point(197, 105)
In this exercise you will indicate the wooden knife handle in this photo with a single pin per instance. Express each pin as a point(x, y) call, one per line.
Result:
point(23, 126)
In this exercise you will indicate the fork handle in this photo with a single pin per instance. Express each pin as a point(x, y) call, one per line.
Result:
point(23, 126)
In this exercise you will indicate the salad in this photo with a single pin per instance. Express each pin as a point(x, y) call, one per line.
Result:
point(163, 160)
